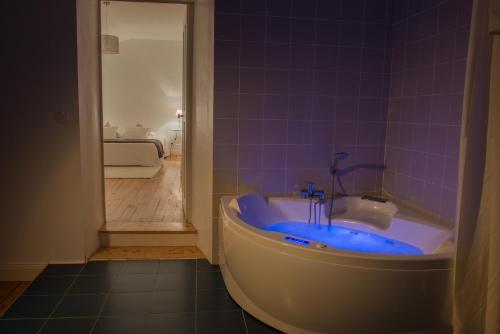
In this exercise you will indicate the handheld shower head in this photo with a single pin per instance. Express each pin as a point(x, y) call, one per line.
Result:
point(339, 156)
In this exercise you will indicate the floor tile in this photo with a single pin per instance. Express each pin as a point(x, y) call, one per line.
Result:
point(173, 301)
point(80, 305)
point(127, 303)
point(56, 285)
point(178, 323)
point(255, 326)
point(25, 326)
point(91, 284)
point(204, 265)
point(176, 266)
point(32, 307)
point(109, 268)
point(215, 300)
point(176, 281)
point(140, 267)
point(120, 325)
point(226, 322)
point(62, 269)
point(68, 326)
point(134, 283)
point(209, 280)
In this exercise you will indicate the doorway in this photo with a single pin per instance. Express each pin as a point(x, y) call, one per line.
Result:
point(145, 114)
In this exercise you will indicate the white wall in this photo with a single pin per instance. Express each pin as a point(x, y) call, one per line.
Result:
point(143, 84)
point(89, 96)
point(41, 216)
point(202, 128)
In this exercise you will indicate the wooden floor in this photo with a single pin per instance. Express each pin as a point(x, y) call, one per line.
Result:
point(9, 291)
point(156, 200)
point(148, 253)
point(148, 228)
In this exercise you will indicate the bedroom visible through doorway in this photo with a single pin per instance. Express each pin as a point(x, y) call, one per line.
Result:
point(144, 107)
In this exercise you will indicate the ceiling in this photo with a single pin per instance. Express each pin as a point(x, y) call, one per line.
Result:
point(143, 20)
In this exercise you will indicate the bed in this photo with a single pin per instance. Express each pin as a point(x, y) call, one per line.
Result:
point(135, 147)
point(145, 152)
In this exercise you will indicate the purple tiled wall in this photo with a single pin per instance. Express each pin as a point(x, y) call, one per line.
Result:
point(295, 81)
point(429, 49)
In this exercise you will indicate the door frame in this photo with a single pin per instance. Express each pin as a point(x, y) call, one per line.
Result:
point(188, 112)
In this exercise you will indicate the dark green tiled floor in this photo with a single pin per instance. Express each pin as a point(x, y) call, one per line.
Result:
point(129, 297)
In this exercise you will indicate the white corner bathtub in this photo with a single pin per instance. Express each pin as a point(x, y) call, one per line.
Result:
point(394, 280)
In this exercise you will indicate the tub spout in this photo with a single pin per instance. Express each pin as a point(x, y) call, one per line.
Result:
point(311, 193)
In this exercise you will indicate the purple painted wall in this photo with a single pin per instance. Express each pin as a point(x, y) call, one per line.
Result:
point(429, 49)
point(296, 80)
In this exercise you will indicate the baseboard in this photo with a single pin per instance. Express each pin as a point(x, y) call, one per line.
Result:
point(20, 272)
point(27, 271)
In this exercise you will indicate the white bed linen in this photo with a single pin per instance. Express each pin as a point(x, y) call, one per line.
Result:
point(133, 154)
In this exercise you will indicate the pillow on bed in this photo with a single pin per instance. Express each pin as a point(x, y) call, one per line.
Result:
point(136, 133)
point(109, 132)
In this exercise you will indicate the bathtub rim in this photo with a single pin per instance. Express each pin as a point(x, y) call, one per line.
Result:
point(435, 261)
point(402, 213)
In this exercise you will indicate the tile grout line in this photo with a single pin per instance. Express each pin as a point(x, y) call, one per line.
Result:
point(262, 184)
point(66, 292)
point(106, 297)
point(238, 110)
point(195, 296)
point(244, 320)
point(419, 39)
point(358, 101)
point(288, 89)
point(443, 169)
point(387, 71)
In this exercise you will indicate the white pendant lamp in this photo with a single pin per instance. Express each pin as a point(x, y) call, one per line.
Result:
point(109, 43)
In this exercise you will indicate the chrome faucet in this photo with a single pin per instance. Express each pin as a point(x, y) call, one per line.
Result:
point(311, 193)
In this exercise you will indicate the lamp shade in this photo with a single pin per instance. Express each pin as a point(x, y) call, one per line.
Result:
point(109, 44)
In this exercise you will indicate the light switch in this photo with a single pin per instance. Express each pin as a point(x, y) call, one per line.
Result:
point(61, 117)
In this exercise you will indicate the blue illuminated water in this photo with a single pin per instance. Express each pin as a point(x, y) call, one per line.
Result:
point(344, 238)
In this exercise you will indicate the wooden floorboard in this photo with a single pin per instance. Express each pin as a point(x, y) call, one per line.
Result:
point(9, 292)
point(6, 288)
point(148, 253)
point(150, 227)
point(156, 200)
